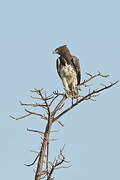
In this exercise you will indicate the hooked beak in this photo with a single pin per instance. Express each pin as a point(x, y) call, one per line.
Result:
point(54, 52)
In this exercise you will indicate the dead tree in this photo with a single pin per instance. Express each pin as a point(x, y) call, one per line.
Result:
point(54, 109)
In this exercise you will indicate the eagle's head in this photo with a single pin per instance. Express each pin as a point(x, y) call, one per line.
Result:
point(62, 51)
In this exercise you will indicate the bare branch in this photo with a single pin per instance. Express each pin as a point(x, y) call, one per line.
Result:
point(58, 94)
point(21, 117)
point(92, 77)
point(84, 98)
point(55, 131)
point(43, 149)
point(36, 131)
point(59, 105)
point(56, 164)
point(61, 123)
point(53, 139)
point(33, 105)
point(37, 114)
point(33, 151)
point(38, 98)
point(63, 167)
point(53, 100)
point(32, 162)
point(37, 90)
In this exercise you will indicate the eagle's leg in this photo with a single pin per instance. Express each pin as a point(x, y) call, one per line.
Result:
point(74, 91)
point(72, 101)
point(66, 87)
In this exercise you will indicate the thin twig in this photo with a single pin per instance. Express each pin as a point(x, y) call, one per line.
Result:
point(21, 117)
point(33, 105)
point(59, 105)
point(92, 77)
point(36, 131)
point(37, 114)
point(56, 163)
point(32, 162)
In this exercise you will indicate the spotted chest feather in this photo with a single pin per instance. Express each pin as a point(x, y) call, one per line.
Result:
point(68, 72)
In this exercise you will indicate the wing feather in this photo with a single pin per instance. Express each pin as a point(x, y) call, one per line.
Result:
point(76, 64)
point(58, 67)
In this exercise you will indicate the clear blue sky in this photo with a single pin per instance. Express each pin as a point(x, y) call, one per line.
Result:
point(29, 31)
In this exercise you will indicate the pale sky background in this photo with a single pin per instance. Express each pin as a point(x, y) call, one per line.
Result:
point(29, 31)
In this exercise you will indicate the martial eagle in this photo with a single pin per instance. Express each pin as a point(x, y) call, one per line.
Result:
point(68, 68)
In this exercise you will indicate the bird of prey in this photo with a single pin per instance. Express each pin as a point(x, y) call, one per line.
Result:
point(68, 68)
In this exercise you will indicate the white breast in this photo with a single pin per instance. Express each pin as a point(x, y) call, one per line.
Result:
point(69, 73)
